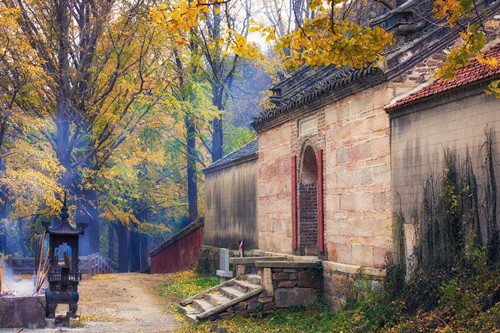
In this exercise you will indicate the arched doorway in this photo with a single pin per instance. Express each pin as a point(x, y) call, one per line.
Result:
point(308, 204)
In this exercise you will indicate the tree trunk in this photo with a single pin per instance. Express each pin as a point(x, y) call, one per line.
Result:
point(111, 242)
point(122, 233)
point(3, 194)
point(191, 167)
point(135, 251)
point(144, 251)
point(217, 133)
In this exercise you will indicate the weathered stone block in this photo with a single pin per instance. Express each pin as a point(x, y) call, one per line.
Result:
point(308, 280)
point(362, 127)
point(269, 306)
point(253, 306)
point(336, 289)
point(226, 315)
point(379, 256)
point(347, 202)
point(26, 312)
point(287, 284)
point(340, 252)
point(362, 255)
point(334, 114)
point(294, 296)
point(267, 281)
point(240, 270)
point(242, 313)
point(242, 305)
point(334, 302)
point(280, 276)
point(265, 299)
point(361, 104)
point(344, 155)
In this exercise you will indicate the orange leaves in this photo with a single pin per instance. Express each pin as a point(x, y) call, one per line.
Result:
point(494, 88)
point(473, 42)
point(452, 9)
point(490, 61)
point(178, 18)
point(320, 41)
point(473, 36)
point(183, 15)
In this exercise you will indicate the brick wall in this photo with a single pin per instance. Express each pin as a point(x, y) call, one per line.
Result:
point(357, 178)
point(308, 219)
point(274, 190)
point(354, 135)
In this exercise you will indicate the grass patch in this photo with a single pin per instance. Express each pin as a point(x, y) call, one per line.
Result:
point(463, 300)
point(316, 318)
point(187, 283)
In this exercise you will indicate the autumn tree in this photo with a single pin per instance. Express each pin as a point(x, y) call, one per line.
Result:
point(135, 189)
point(95, 59)
point(189, 108)
point(220, 29)
point(27, 186)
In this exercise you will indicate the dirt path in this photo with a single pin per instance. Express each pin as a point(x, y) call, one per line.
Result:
point(125, 303)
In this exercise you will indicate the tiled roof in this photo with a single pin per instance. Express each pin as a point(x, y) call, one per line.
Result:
point(465, 75)
point(245, 151)
point(325, 79)
point(64, 228)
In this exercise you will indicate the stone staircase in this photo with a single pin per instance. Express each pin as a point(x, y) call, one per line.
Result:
point(261, 284)
point(222, 298)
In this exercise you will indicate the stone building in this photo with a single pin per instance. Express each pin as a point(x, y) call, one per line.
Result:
point(325, 179)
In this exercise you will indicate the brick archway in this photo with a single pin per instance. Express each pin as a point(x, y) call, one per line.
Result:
point(307, 232)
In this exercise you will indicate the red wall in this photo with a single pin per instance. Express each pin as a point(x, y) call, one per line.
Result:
point(179, 255)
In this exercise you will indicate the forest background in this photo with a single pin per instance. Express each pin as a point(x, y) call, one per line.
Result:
point(121, 104)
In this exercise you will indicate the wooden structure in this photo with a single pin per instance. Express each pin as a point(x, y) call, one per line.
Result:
point(180, 251)
point(231, 199)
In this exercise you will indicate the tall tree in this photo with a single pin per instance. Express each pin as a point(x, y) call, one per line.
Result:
point(95, 57)
point(209, 22)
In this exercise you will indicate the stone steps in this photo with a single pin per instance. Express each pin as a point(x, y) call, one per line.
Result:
point(231, 292)
point(254, 278)
point(219, 298)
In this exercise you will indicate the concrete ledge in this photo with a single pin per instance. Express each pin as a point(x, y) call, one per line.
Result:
point(253, 260)
point(286, 264)
point(262, 253)
point(226, 274)
point(289, 257)
point(352, 269)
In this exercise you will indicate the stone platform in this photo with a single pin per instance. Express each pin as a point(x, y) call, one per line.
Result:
point(22, 311)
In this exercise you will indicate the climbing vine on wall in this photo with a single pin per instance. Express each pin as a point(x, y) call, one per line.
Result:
point(448, 223)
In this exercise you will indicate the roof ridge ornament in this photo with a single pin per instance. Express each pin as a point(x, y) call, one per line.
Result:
point(64, 211)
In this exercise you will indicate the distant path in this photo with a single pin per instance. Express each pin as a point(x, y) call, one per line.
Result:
point(125, 302)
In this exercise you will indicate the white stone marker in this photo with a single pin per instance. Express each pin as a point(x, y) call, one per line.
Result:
point(224, 273)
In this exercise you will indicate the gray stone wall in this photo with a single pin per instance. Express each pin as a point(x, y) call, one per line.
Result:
point(419, 136)
point(231, 206)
